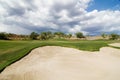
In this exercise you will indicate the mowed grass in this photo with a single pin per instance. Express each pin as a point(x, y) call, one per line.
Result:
point(11, 51)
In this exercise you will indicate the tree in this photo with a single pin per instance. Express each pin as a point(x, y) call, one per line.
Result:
point(114, 36)
point(46, 35)
point(33, 36)
point(43, 36)
point(103, 35)
point(79, 35)
point(59, 34)
point(49, 35)
point(69, 35)
point(3, 36)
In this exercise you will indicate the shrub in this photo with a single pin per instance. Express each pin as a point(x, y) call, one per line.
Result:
point(104, 35)
point(114, 36)
point(59, 34)
point(3, 36)
point(46, 35)
point(79, 35)
point(33, 36)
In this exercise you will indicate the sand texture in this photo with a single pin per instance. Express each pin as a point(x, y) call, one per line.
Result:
point(60, 63)
point(115, 44)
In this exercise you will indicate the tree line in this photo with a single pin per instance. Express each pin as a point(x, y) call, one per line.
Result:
point(112, 36)
point(51, 35)
point(34, 36)
point(11, 36)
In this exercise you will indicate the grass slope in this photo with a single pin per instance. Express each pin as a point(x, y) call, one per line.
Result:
point(11, 51)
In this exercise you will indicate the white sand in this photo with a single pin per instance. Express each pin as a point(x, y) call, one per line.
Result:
point(115, 44)
point(59, 63)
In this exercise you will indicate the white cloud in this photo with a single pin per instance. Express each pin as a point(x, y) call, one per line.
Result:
point(25, 16)
point(102, 21)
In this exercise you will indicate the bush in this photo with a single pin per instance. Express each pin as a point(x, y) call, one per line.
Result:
point(46, 35)
point(79, 35)
point(114, 36)
point(69, 35)
point(104, 35)
point(59, 34)
point(3, 36)
point(33, 36)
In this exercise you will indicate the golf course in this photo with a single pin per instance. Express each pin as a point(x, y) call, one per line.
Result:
point(12, 52)
point(59, 39)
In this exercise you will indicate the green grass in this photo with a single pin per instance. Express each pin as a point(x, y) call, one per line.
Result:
point(11, 51)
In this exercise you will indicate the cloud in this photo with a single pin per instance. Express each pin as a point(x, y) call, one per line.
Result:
point(25, 16)
point(102, 21)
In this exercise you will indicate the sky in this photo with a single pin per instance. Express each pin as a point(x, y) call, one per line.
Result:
point(91, 17)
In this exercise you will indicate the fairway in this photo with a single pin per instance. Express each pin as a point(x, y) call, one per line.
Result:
point(11, 51)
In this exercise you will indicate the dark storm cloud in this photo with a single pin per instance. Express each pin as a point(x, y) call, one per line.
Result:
point(16, 11)
point(91, 30)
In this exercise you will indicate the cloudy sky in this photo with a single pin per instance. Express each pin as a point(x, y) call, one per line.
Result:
point(92, 17)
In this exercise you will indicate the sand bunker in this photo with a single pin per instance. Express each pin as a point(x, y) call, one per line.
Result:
point(115, 44)
point(59, 63)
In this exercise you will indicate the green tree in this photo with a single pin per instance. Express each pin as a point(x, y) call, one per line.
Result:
point(3, 36)
point(33, 36)
point(59, 34)
point(114, 36)
point(49, 35)
point(46, 35)
point(79, 35)
point(104, 35)
point(69, 35)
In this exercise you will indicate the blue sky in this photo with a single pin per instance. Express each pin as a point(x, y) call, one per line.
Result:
point(104, 4)
point(91, 17)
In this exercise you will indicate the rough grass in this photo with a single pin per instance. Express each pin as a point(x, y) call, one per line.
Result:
point(11, 51)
